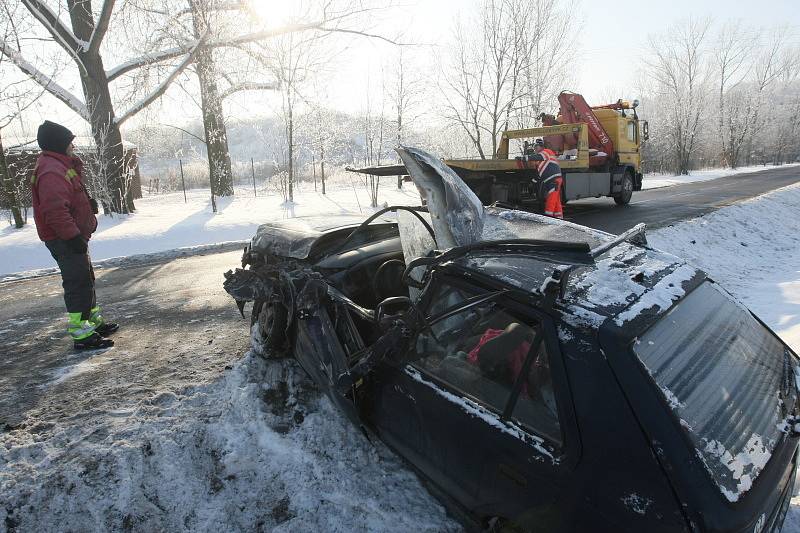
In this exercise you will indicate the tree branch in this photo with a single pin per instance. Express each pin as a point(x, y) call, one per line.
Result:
point(101, 28)
point(55, 27)
point(249, 86)
point(163, 55)
point(161, 89)
point(364, 34)
point(45, 81)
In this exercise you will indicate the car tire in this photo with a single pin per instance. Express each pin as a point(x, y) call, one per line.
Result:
point(268, 329)
point(624, 197)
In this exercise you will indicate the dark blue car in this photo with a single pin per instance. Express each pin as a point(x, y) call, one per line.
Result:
point(547, 377)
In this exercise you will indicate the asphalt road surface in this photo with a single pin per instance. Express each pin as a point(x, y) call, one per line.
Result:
point(667, 205)
point(179, 328)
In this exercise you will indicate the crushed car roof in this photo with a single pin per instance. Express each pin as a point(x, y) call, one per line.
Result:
point(621, 283)
point(295, 237)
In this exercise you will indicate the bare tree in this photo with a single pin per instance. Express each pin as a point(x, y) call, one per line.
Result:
point(679, 70)
point(373, 130)
point(293, 59)
point(81, 41)
point(745, 119)
point(732, 60)
point(405, 92)
point(505, 65)
point(15, 98)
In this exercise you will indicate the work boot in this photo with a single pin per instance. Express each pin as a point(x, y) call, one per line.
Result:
point(92, 342)
point(103, 328)
point(84, 336)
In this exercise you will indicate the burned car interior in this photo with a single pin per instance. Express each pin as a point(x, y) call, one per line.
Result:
point(537, 374)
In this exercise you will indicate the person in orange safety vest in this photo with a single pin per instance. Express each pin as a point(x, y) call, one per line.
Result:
point(550, 180)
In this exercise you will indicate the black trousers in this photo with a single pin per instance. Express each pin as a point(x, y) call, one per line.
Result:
point(77, 276)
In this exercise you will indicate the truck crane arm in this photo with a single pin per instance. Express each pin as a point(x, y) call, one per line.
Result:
point(574, 109)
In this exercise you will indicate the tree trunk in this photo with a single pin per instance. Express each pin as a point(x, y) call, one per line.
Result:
point(399, 142)
point(322, 167)
point(8, 188)
point(219, 158)
point(291, 147)
point(314, 170)
point(105, 130)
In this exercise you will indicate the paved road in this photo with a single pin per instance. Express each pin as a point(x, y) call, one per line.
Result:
point(180, 328)
point(665, 206)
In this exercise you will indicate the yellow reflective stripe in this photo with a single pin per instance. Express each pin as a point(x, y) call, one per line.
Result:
point(80, 331)
point(96, 318)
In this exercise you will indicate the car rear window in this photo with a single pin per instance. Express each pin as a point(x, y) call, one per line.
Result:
point(725, 376)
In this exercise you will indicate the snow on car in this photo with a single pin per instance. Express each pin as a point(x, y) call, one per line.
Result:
point(537, 374)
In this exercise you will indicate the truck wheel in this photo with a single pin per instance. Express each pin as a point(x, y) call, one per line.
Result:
point(268, 329)
point(624, 197)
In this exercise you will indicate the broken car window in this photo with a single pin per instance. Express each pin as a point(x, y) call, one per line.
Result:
point(481, 352)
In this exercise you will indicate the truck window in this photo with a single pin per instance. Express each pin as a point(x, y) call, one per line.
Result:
point(480, 352)
point(727, 379)
point(631, 131)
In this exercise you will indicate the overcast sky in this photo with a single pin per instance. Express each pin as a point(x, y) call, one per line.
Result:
point(611, 37)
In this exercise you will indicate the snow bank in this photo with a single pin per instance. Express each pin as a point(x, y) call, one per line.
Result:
point(753, 250)
point(164, 223)
point(258, 450)
point(655, 181)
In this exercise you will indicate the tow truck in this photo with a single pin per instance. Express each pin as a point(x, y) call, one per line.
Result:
point(599, 151)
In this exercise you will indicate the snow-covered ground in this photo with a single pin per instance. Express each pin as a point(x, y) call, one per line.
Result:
point(257, 450)
point(164, 223)
point(260, 449)
point(655, 181)
point(753, 250)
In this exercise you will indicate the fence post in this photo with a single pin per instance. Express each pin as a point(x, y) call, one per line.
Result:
point(183, 182)
point(253, 170)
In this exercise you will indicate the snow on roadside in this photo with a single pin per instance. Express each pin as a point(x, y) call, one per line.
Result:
point(164, 223)
point(259, 450)
point(655, 181)
point(753, 250)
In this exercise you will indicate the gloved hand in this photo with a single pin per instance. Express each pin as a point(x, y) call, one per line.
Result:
point(93, 203)
point(78, 244)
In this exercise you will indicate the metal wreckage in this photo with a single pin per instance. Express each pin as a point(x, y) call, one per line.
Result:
point(537, 374)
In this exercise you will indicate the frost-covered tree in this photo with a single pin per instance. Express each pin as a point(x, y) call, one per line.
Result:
point(506, 66)
point(15, 96)
point(404, 90)
point(147, 75)
point(678, 68)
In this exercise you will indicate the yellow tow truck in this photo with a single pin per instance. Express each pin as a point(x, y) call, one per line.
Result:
point(598, 148)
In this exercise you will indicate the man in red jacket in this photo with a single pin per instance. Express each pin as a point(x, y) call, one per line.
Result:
point(65, 221)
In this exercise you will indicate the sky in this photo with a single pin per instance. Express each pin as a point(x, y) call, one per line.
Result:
point(610, 36)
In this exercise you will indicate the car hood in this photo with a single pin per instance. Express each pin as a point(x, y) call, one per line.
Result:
point(296, 237)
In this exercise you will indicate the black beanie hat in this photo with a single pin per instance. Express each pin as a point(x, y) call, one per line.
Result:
point(54, 137)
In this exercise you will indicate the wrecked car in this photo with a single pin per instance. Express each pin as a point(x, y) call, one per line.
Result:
point(538, 375)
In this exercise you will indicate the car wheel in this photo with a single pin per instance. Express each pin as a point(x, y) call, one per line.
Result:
point(268, 329)
point(624, 197)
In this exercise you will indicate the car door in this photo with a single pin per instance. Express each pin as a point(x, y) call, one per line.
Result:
point(319, 350)
point(479, 384)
